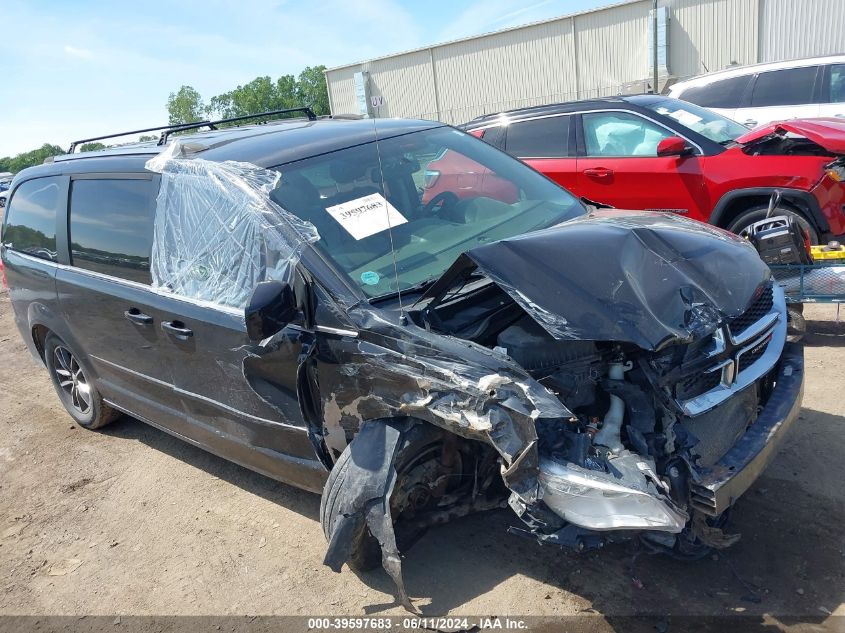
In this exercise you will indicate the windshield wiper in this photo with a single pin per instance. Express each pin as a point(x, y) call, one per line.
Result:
point(415, 289)
point(425, 285)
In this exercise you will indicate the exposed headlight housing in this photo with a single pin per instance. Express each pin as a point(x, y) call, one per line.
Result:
point(599, 501)
point(835, 170)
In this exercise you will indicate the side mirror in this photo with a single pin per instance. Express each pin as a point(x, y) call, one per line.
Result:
point(271, 308)
point(673, 146)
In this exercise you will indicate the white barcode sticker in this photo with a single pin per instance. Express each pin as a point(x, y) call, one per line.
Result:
point(366, 216)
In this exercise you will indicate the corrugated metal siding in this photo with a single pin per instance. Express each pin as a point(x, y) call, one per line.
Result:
point(801, 28)
point(611, 48)
point(342, 90)
point(406, 83)
point(506, 70)
point(591, 54)
point(710, 35)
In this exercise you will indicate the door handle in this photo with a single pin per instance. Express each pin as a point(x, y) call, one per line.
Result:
point(177, 329)
point(598, 172)
point(751, 122)
point(136, 316)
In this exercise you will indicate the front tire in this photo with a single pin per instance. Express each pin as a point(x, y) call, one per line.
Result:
point(417, 466)
point(754, 214)
point(72, 381)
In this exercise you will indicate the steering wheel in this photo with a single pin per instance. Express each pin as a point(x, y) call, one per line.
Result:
point(443, 201)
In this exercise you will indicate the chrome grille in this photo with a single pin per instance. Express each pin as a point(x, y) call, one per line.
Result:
point(698, 384)
point(760, 308)
point(751, 356)
point(744, 350)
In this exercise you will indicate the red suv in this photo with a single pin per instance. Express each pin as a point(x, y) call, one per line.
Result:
point(657, 153)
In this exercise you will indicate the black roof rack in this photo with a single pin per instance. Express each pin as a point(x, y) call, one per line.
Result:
point(549, 106)
point(167, 130)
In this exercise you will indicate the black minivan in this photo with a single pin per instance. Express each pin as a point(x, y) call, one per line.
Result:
point(285, 295)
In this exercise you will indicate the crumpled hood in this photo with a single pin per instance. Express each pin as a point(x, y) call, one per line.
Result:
point(829, 133)
point(643, 278)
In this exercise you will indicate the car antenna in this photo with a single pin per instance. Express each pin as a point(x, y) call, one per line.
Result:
point(402, 317)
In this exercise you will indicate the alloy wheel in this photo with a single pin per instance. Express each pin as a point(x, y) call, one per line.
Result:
point(72, 379)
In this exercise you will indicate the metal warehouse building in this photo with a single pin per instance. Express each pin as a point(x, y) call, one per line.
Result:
point(602, 52)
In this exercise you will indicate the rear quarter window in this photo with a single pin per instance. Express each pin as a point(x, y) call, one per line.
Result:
point(491, 135)
point(31, 218)
point(539, 138)
point(726, 93)
point(836, 84)
point(790, 86)
point(111, 227)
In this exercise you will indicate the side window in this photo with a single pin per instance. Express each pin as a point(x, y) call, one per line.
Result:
point(726, 93)
point(539, 138)
point(837, 83)
point(621, 134)
point(31, 223)
point(111, 227)
point(491, 135)
point(791, 86)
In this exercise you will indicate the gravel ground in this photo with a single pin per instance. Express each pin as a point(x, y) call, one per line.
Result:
point(132, 521)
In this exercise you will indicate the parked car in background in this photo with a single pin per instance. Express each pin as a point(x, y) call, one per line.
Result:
point(282, 295)
point(4, 195)
point(762, 93)
point(657, 153)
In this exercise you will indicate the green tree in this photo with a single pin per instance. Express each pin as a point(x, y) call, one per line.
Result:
point(259, 95)
point(32, 158)
point(147, 137)
point(311, 89)
point(185, 106)
point(91, 147)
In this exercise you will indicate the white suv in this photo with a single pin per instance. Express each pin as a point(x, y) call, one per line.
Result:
point(758, 94)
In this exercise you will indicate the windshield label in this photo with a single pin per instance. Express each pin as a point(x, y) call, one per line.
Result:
point(370, 278)
point(366, 216)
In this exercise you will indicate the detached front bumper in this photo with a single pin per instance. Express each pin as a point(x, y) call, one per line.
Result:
point(722, 484)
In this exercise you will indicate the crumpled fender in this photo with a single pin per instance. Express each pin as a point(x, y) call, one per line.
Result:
point(364, 498)
point(393, 370)
point(405, 373)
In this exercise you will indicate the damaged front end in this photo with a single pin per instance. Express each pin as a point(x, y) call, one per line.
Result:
point(615, 374)
point(638, 393)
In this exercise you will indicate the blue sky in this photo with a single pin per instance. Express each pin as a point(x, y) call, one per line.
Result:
point(76, 68)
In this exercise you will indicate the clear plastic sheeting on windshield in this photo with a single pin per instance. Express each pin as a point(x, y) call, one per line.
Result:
point(217, 232)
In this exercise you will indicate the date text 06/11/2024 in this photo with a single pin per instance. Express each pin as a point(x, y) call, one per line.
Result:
point(416, 623)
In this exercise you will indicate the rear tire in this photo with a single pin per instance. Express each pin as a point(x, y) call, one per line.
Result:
point(757, 213)
point(71, 379)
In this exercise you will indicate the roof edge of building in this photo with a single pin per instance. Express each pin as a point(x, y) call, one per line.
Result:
point(568, 16)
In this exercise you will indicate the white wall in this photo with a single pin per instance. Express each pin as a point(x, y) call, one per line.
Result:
point(801, 28)
point(512, 69)
point(708, 35)
point(591, 54)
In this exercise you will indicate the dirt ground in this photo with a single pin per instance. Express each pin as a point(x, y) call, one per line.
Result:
point(132, 521)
